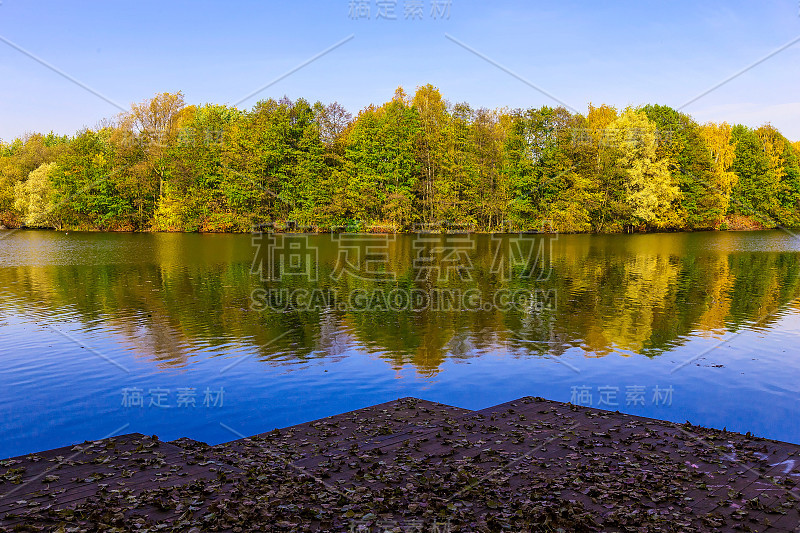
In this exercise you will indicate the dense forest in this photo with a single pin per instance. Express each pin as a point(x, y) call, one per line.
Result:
point(412, 162)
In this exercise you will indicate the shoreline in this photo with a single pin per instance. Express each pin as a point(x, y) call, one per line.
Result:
point(515, 465)
point(474, 232)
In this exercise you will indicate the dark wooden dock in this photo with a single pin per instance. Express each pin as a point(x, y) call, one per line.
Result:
point(417, 466)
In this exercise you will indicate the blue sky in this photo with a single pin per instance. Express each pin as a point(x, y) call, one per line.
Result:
point(621, 53)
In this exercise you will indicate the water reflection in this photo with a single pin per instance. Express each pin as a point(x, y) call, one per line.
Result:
point(170, 297)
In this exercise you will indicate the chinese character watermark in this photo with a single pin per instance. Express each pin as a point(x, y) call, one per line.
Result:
point(389, 9)
point(609, 396)
point(439, 256)
point(523, 256)
point(162, 398)
point(531, 302)
point(437, 266)
point(364, 256)
point(281, 255)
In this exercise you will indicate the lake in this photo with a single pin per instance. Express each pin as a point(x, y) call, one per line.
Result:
point(215, 337)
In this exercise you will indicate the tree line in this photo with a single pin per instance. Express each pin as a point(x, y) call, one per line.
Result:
point(413, 162)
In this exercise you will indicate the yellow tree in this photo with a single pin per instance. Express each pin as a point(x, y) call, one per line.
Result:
point(33, 198)
point(7, 184)
point(17, 160)
point(594, 141)
point(600, 118)
point(723, 152)
point(775, 146)
point(647, 181)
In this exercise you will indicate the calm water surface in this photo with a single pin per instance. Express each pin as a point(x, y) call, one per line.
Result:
point(172, 334)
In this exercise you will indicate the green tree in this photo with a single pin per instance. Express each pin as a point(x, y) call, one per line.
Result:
point(681, 143)
point(494, 194)
point(430, 145)
point(547, 188)
point(756, 184)
point(382, 165)
point(784, 174)
point(193, 199)
point(85, 190)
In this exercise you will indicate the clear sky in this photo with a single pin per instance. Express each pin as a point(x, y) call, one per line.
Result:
point(621, 53)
